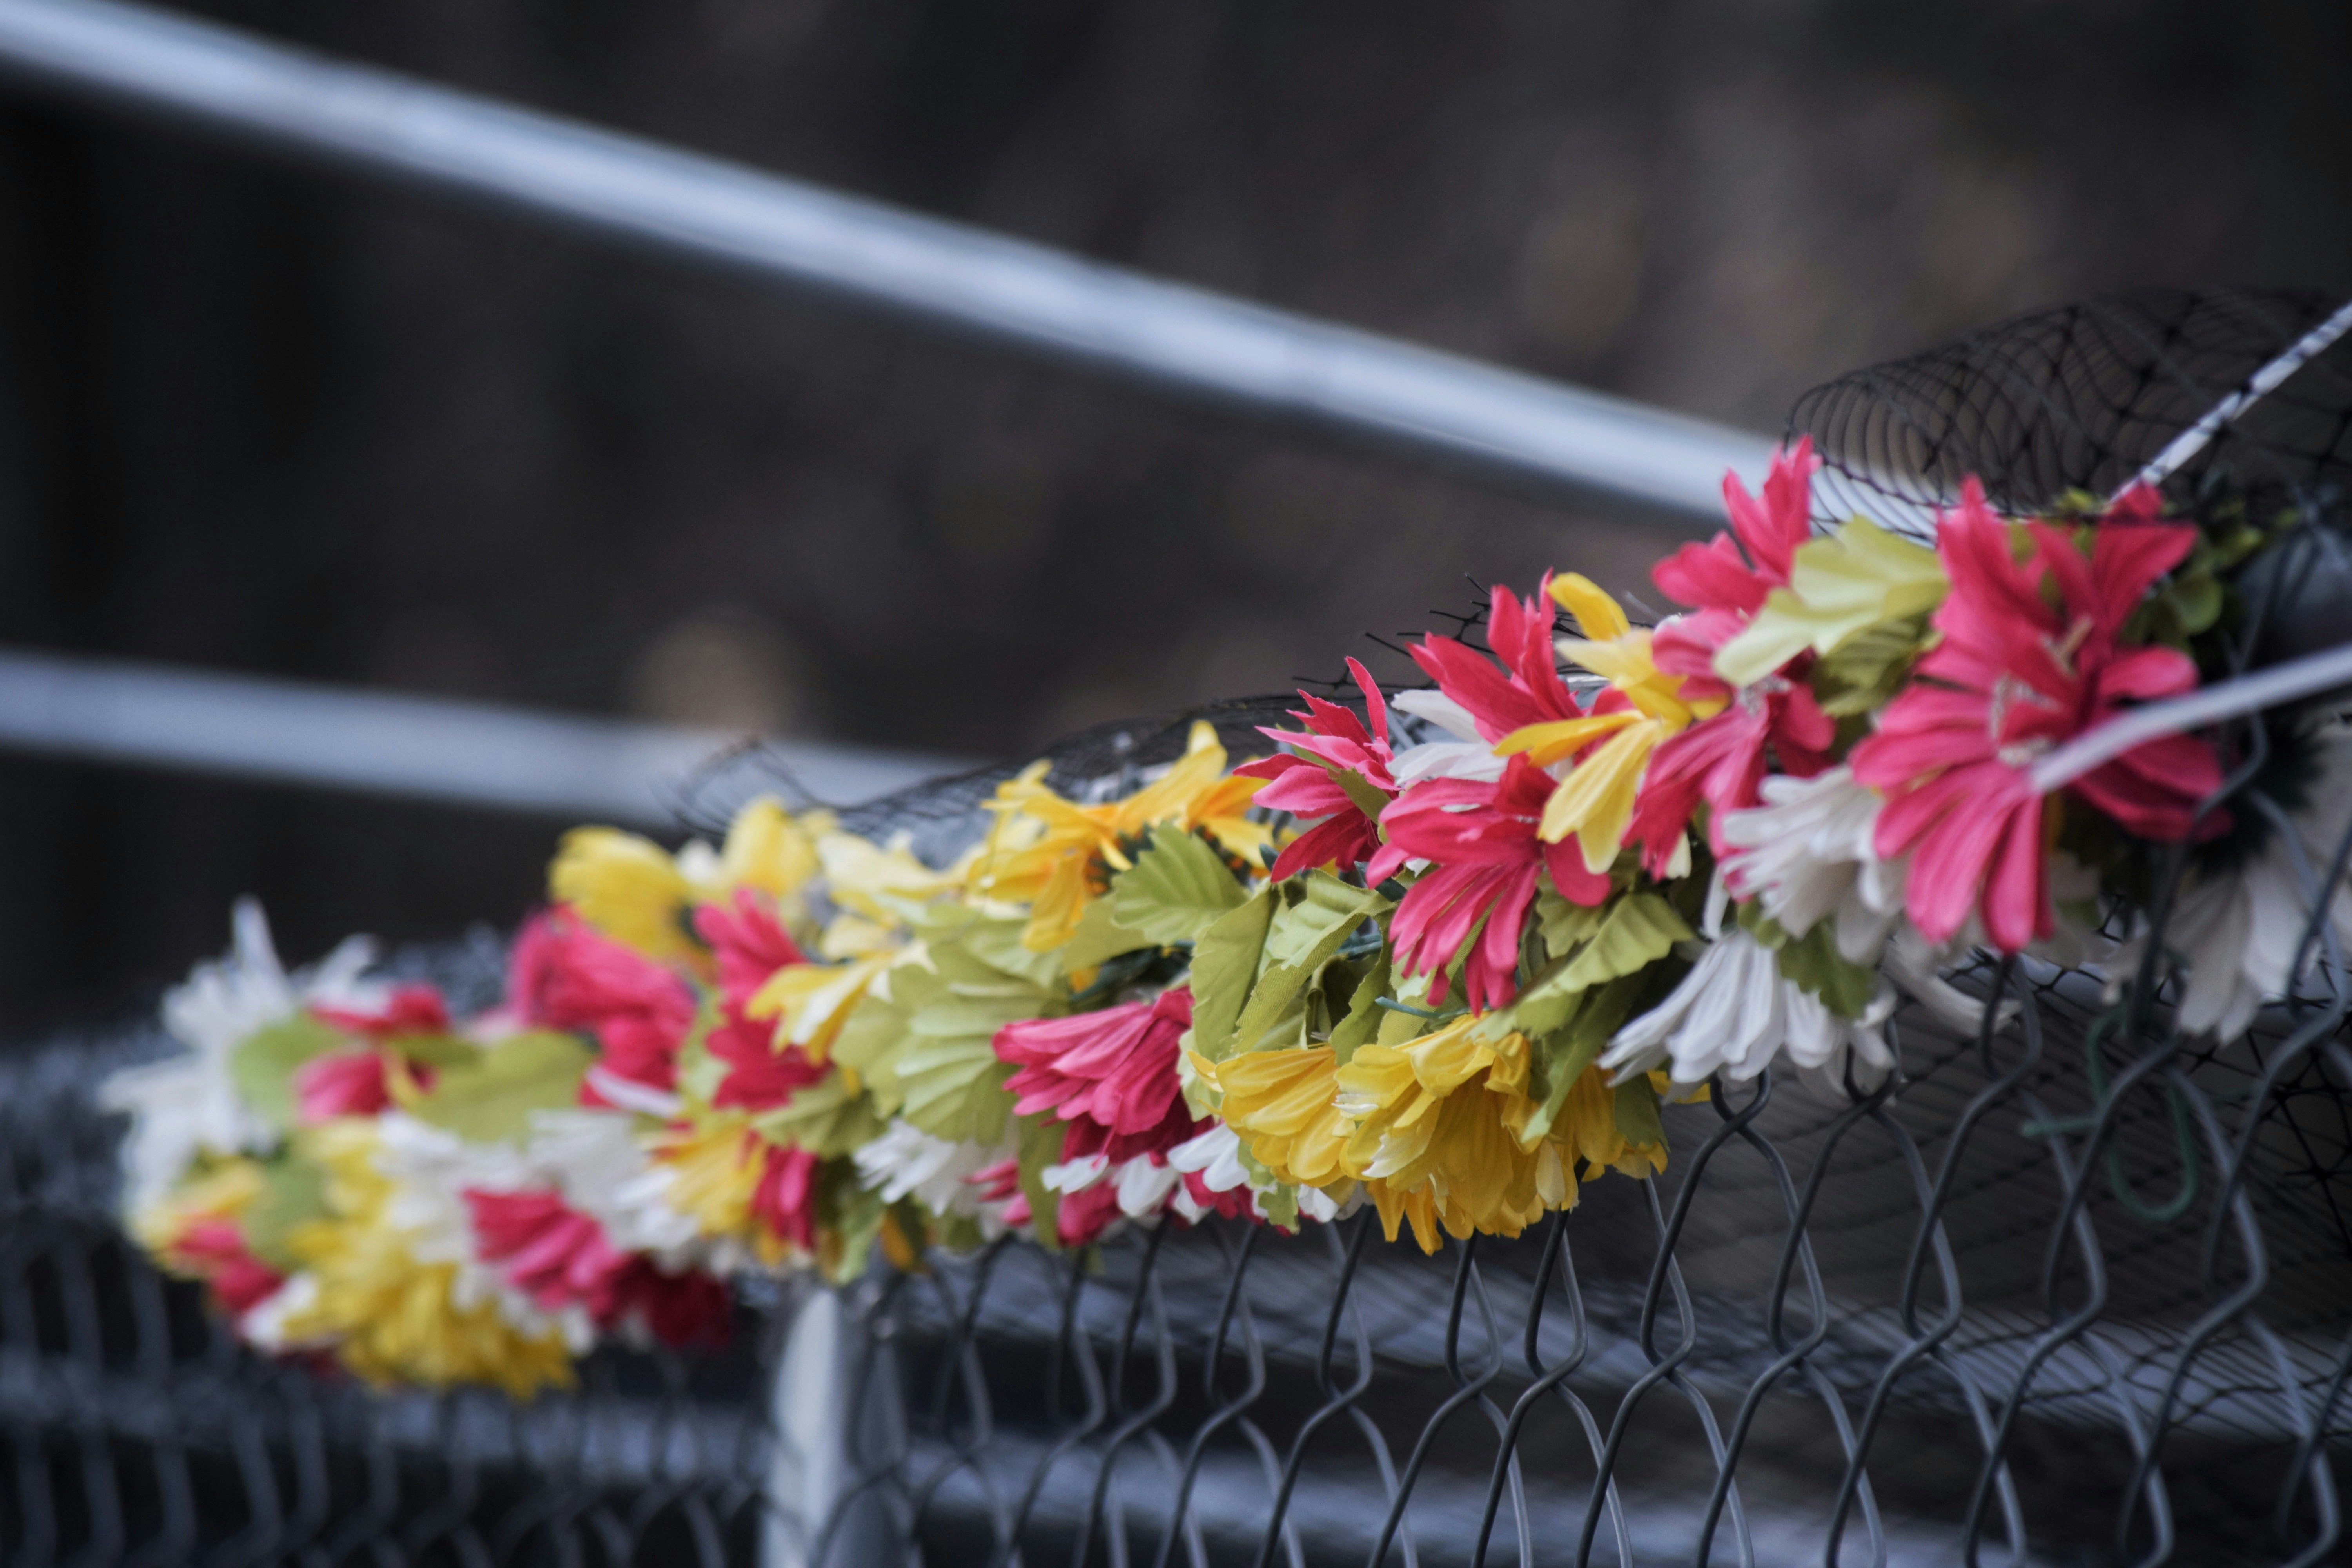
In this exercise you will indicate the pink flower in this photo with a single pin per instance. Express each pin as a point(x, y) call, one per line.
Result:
point(1308, 785)
point(214, 1250)
point(1723, 758)
point(1111, 1075)
point(785, 1199)
point(409, 1010)
point(1079, 1219)
point(561, 1258)
point(565, 976)
point(1715, 575)
point(2012, 678)
point(551, 1252)
point(1531, 693)
point(1233, 1203)
point(1480, 838)
point(750, 945)
point(346, 1083)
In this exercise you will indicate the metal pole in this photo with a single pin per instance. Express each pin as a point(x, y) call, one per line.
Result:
point(1044, 300)
point(466, 753)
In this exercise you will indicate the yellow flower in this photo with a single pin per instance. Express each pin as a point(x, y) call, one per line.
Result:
point(1595, 801)
point(875, 883)
point(811, 1002)
point(1279, 1104)
point(1433, 1114)
point(222, 1192)
point(715, 1165)
point(1049, 853)
point(390, 1317)
point(636, 892)
point(1838, 586)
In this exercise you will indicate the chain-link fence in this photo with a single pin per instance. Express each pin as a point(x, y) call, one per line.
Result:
point(2074, 1287)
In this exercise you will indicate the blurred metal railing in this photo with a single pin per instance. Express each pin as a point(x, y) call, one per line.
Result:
point(1048, 300)
point(466, 753)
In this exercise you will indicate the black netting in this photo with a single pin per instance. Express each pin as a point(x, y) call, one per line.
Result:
point(2084, 397)
point(2073, 1289)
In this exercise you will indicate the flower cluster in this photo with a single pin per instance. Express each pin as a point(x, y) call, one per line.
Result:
point(1445, 953)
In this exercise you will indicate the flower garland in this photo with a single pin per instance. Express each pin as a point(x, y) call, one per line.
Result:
point(1448, 964)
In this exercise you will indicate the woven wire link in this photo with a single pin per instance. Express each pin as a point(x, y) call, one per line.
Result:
point(2077, 1290)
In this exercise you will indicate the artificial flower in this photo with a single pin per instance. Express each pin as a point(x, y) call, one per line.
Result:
point(1434, 1113)
point(1484, 845)
point(717, 1170)
point(636, 892)
point(1110, 1075)
point(1809, 852)
point(1058, 856)
point(1313, 780)
point(2239, 926)
point(186, 1105)
point(2015, 675)
point(1735, 1011)
point(1717, 576)
point(398, 1303)
point(1281, 1106)
point(906, 1161)
point(346, 1083)
point(566, 975)
point(561, 1258)
point(1838, 587)
point(1611, 744)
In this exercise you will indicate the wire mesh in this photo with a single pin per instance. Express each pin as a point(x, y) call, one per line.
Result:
point(2074, 1287)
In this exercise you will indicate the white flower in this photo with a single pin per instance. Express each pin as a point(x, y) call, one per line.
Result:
point(1735, 1011)
point(905, 1161)
point(1466, 757)
point(189, 1103)
point(2239, 931)
point(263, 1325)
point(594, 1158)
point(1807, 854)
point(430, 1169)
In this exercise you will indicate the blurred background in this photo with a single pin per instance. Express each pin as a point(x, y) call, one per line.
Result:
point(261, 417)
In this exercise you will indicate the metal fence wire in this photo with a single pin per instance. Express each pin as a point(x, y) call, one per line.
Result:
point(2074, 1287)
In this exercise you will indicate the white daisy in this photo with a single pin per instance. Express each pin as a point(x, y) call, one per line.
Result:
point(1807, 854)
point(1735, 1011)
point(2239, 932)
point(593, 1157)
point(907, 1161)
point(1467, 756)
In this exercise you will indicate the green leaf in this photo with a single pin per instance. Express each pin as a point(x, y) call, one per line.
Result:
point(946, 1065)
point(1863, 673)
point(1563, 1056)
point(1563, 924)
point(1100, 937)
point(1224, 963)
point(1637, 1112)
point(1362, 1024)
point(1814, 962)
point(1367, 796)
point(870, 1036)
point(1639, 930)
point(293, 1193)
point(490, 1101)
point(827, 1118)
point(1319, 914)
point(264, 1063)
point(1176, 889)
point(436, 1050)
point(1039, 1142)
